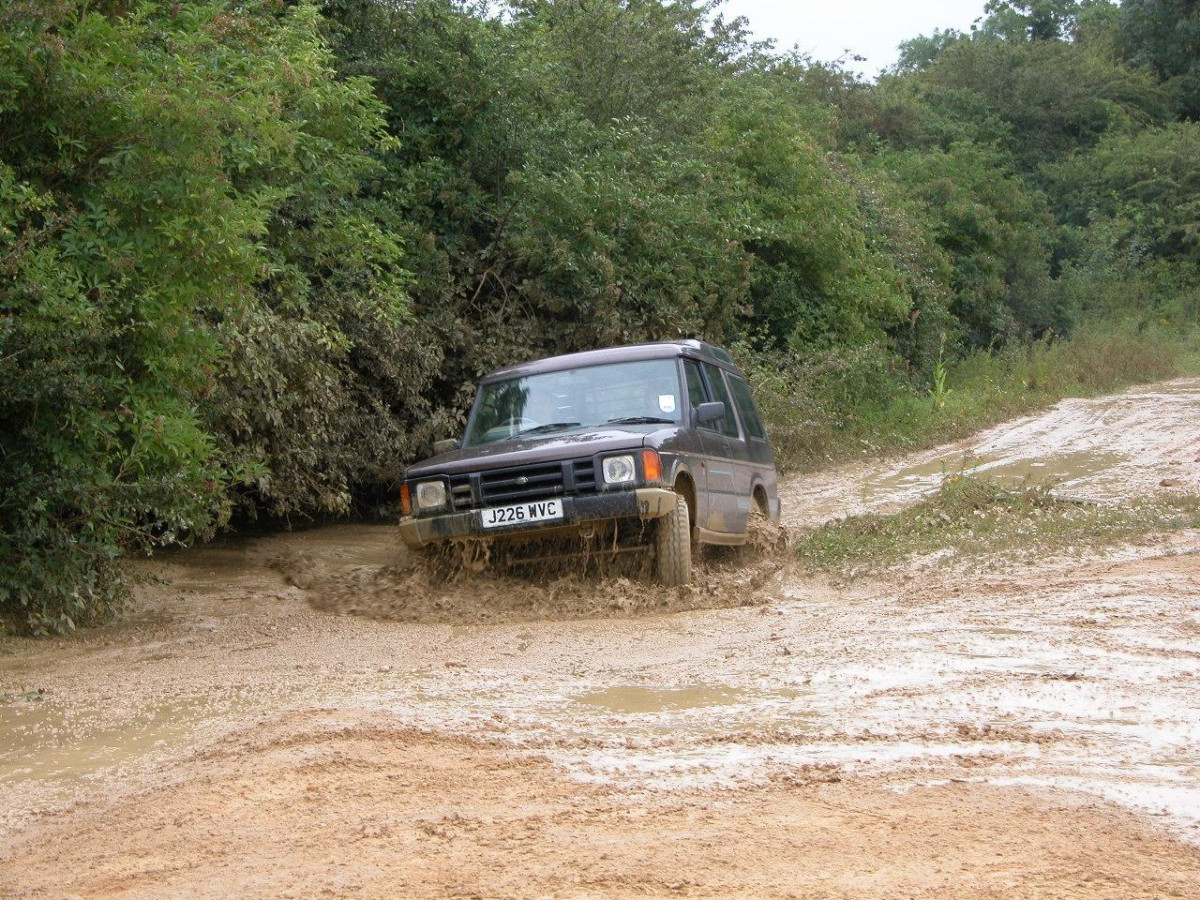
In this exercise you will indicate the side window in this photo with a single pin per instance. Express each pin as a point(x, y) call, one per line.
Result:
point(695, 385)
point(745, 405)
point(717, 383)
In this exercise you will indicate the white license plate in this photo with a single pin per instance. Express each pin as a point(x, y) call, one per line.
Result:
point(519, 513)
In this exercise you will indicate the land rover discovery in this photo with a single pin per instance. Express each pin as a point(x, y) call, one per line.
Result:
point(652, 445)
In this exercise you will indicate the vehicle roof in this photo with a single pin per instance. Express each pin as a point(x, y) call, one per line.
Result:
point(690, 348)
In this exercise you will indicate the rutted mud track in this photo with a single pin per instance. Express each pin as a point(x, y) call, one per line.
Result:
point(939, 731)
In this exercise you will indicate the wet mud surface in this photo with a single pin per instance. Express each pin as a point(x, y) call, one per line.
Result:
point(1110, 449)
point(310, 715)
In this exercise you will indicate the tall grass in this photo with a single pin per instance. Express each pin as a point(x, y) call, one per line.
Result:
point(842, 405)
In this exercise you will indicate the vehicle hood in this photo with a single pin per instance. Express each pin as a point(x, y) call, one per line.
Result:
point(524, 451)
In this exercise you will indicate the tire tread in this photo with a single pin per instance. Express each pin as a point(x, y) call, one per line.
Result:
point(673, 545)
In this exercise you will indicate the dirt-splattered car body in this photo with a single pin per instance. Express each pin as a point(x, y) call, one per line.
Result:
point(649, 442)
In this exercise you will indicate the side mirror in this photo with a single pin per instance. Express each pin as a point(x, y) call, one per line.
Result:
point(440, 447)
point(710, 412)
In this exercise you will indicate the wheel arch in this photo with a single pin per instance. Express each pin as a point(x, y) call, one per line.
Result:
point(758, 493)
point(685, 486)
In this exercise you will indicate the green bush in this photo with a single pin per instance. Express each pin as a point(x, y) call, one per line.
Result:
point(166, 173)
point(843, 404)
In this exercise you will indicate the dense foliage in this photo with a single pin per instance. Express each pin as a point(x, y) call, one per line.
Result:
point(254, 254)
point(188, 272)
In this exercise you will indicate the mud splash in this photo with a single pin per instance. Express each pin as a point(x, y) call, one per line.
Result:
point(416, 591)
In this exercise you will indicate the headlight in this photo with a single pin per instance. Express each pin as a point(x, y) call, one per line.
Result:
point(431, 495)
point(619, 470)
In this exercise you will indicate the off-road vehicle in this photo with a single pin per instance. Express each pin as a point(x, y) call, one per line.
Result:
point(653, 445)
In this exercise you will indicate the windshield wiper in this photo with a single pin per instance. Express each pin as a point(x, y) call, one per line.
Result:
point(543, 429)
point(640, 420)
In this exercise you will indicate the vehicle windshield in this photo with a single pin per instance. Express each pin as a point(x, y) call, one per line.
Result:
point(628, 393)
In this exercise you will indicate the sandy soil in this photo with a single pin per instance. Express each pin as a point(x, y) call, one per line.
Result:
point(934, 732)
point(347, 804)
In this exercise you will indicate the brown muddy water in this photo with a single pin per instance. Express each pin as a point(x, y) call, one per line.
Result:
point(307, 661)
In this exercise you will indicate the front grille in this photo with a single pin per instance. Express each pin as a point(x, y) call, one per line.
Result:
point(524, 483)
point(521, 483)
point(583, 476)
point(460, 492)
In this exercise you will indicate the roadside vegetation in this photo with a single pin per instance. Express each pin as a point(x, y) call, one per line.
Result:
point(843, 406)
point(973, 517)
point(254, 254)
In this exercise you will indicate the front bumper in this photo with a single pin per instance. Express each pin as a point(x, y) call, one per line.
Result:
point(642, 503)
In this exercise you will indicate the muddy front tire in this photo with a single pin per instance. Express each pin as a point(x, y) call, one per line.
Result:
point(673, 546)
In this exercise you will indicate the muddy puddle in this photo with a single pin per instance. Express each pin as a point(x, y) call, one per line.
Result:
point(1067, 675)
point(635, 699)
point(235, 575)
point(42, 741)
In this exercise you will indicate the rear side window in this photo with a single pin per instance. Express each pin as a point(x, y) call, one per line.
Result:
point(720, 392)
point(745, 405)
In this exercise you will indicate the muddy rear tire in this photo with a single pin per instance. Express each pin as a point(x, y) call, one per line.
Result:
point(673, 546)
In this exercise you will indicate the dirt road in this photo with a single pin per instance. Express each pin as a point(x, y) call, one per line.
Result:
point(942, 730)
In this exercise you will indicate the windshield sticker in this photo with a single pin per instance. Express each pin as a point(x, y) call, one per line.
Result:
point(666, 403)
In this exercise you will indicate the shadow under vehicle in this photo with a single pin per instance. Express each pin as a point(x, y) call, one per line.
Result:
point(647, 446)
